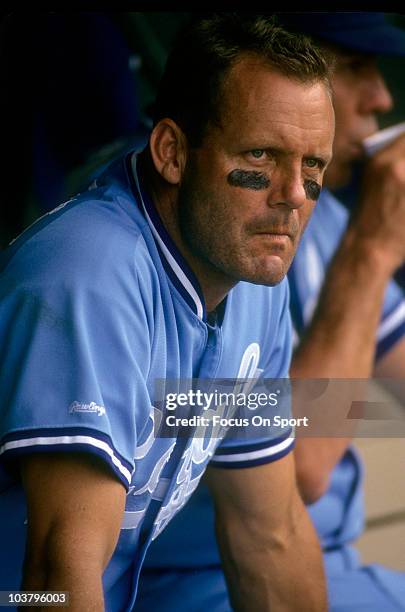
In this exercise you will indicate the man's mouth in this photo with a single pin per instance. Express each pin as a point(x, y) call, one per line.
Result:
point(277, 232)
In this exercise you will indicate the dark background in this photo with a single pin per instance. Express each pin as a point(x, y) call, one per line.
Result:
point(77, 90)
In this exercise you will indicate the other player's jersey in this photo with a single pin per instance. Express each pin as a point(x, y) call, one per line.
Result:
point(96, 305)
point(339, 514)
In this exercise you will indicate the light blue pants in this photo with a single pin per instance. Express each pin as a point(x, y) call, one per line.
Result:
point(351, 588)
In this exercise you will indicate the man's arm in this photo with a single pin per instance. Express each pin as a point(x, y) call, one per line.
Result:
point(340, 341)
point(75, 507)
point(270, 553)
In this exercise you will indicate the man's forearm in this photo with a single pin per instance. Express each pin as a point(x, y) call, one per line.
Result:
point(269, 571)
point(75, 508)
point(80, 579)
point(340, 341)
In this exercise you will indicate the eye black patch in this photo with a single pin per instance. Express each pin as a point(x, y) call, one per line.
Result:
point(248, 179)
point(312, 190)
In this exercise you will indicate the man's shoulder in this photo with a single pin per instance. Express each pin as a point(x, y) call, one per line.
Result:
point(97, 233)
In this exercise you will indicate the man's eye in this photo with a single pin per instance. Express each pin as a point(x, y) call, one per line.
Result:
point(257, 153)
point(311, 162)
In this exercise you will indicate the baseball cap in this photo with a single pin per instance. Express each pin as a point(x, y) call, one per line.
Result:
point(367, 32)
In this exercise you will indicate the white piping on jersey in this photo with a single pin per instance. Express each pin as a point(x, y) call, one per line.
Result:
point(392, 321)
point(264, 452)
point(314, 267)
point(80, 439)
point(50, 212)
point(173, 263)
point(132, 519)
point(295, 339)
point(315, 275)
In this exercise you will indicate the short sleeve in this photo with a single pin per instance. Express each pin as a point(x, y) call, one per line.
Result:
point(70, 374)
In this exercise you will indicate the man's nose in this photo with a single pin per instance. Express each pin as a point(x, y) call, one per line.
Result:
point(288, 189)
point(376, 95)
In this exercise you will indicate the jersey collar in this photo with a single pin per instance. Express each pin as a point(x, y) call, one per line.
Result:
point(175, 265)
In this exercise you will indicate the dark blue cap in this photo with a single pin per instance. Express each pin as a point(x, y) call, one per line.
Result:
point(356, 31)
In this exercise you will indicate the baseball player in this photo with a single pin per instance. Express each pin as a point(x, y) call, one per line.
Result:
point(170, 267)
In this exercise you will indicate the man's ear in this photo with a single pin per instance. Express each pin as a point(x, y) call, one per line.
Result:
point(168, 148)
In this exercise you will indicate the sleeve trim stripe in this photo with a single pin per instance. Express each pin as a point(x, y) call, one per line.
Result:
point(62, 432)
point(248, 464)
point(252, 456)
point(67, 440)
point(247, 448)
point(393, 320)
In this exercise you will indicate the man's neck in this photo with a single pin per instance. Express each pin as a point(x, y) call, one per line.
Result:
point(214, 284)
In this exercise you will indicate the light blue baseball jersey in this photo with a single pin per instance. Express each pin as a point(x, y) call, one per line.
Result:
point(187, 554)
point(96, 304)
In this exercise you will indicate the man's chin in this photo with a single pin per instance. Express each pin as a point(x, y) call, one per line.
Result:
point(270, 273)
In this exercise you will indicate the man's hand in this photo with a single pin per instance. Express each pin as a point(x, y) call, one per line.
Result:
point(75, 508)
point(270, 553)
point(379, 219)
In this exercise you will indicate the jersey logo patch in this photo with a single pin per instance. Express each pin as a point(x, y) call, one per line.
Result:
point(92, 407)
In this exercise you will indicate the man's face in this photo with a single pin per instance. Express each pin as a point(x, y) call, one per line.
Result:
point(359, 94)
point(247, 193)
